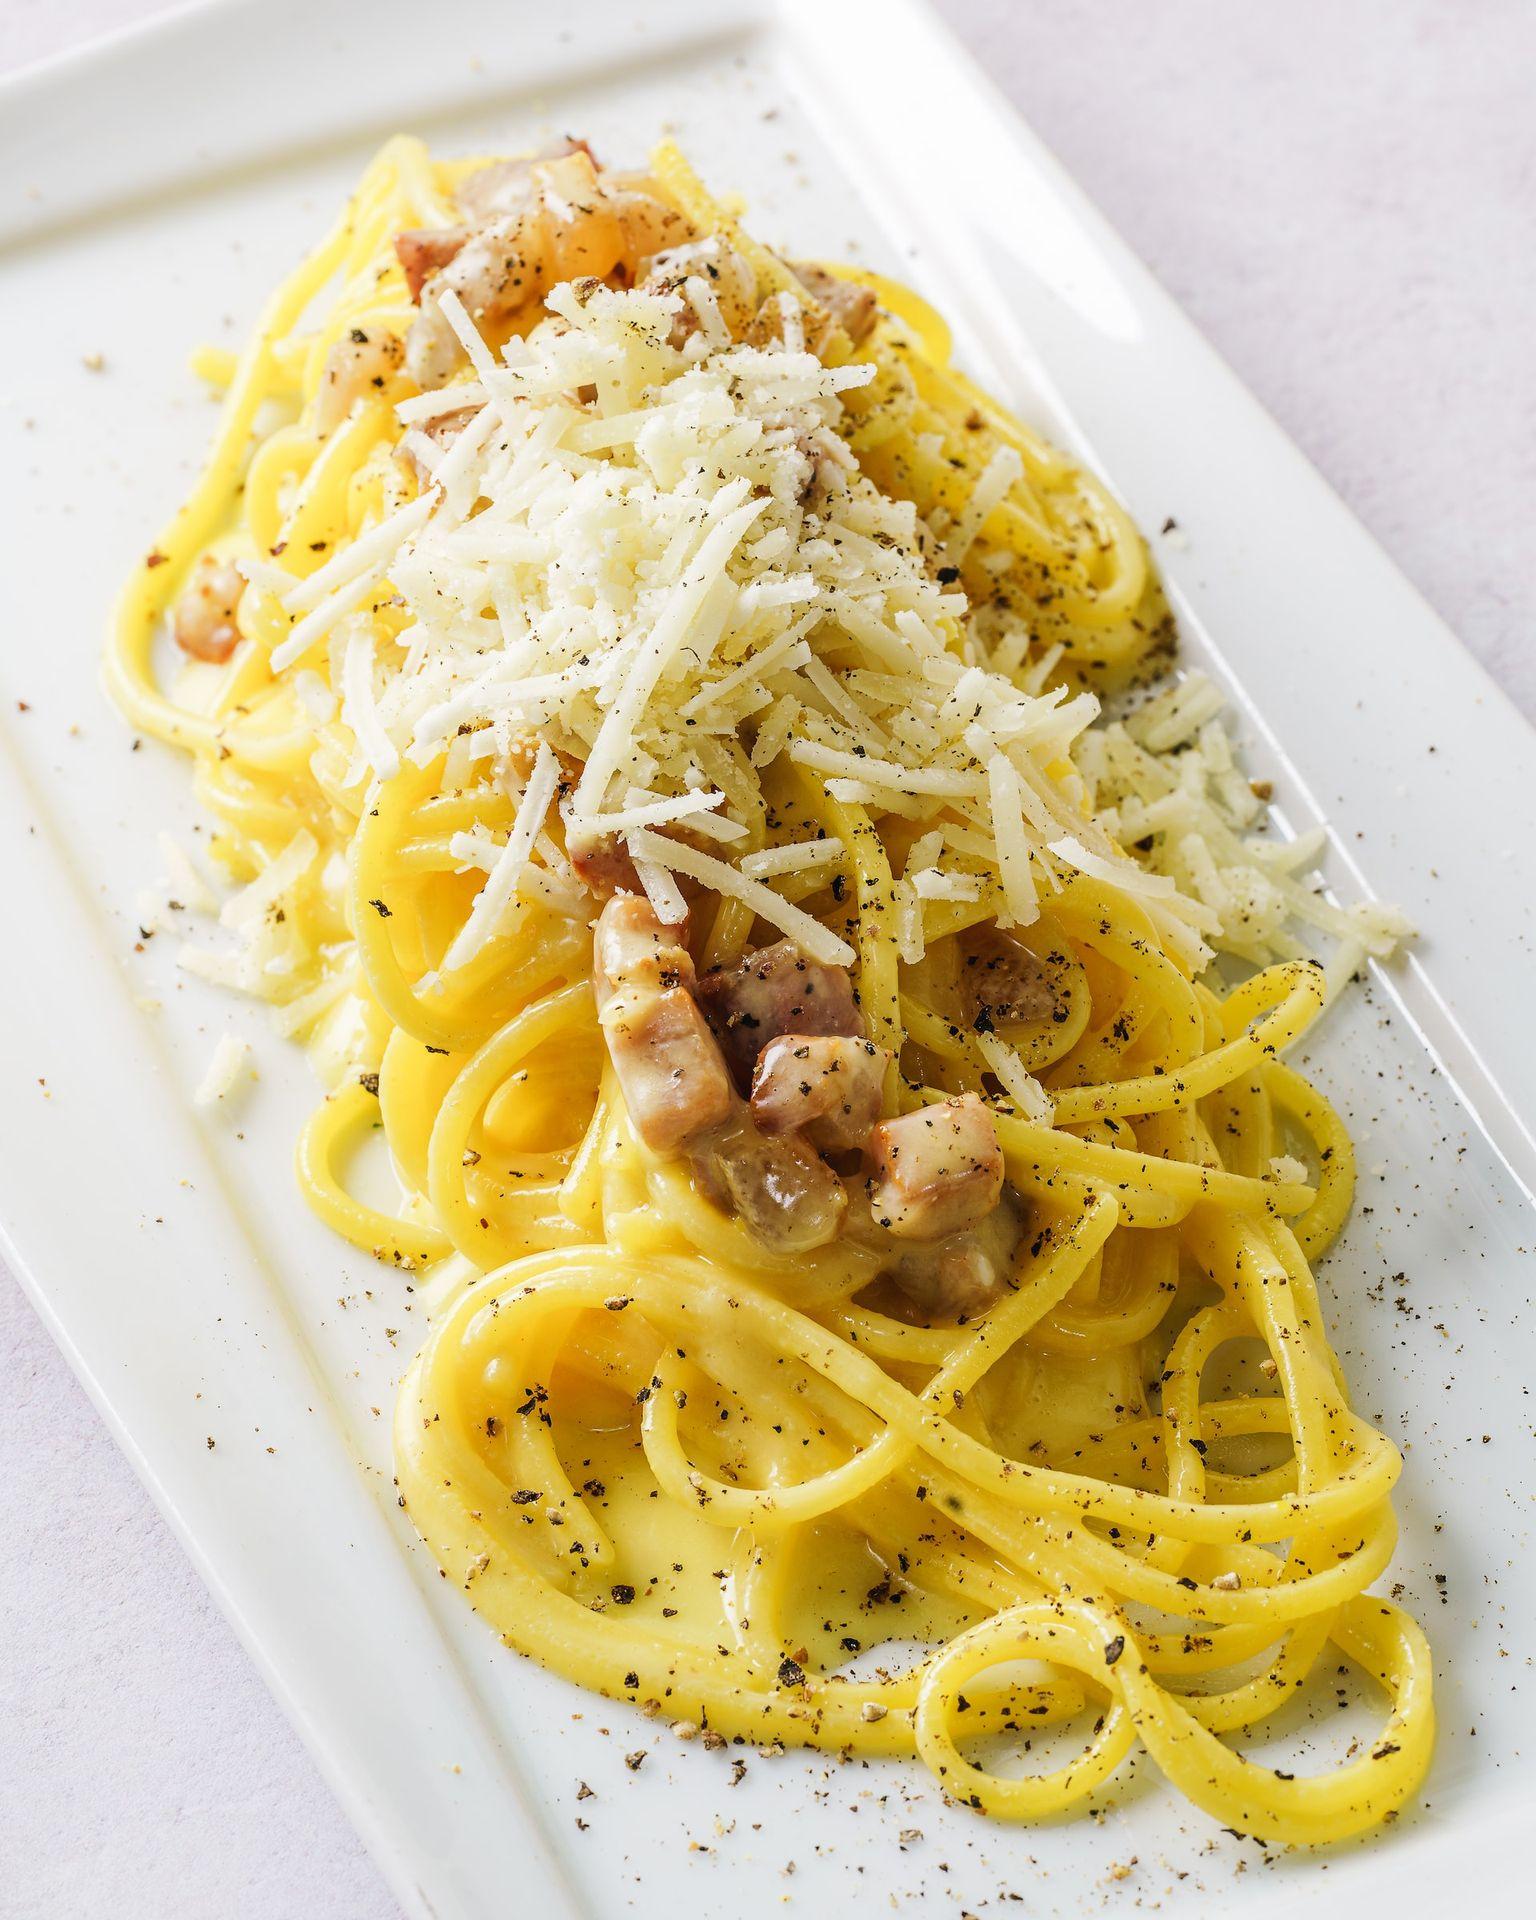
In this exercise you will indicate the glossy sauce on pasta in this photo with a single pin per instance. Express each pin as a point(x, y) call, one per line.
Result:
point(691, 1473)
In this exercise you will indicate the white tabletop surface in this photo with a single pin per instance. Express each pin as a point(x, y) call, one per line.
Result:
point(1340, 198)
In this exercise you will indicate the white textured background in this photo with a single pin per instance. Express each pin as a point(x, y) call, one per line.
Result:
point(1340, 192)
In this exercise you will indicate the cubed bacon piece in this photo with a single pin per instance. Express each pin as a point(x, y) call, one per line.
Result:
point(362, 362)
point(669, 1068)
point(853, 307)
point(782, 1191)
point(961, 1276)
point(532, 225)
point(632, 948)
point(1002, 981)
point(203, 624)
point(491, 192)
point(423, 251)
point(824, 1086)
point(602, 862)
point(938, 1169)
point(775, 990)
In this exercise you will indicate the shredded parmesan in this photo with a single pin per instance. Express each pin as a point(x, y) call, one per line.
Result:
point(1000, 475)
point(662, 891)
point(885, 773)
point(359, 701)
point(1011, 841)
point(1026, 1092)
point(671, 629)
point(663, 564)
point(502, 884)
point(369, 554)
point(314, 626)
point(261, 896)
point(229, 1061)
point(1118, 873)
point(798, 857)
point(813, 939)
point(691, 807)
point(183, 883)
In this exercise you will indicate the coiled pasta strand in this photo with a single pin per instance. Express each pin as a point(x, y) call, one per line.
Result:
point(1085, 1476)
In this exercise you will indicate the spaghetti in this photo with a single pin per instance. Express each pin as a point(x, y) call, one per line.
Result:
point(559, 542)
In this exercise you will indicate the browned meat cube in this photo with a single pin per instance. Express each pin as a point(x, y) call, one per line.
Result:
point(1002, 981)
point(775, 990)
point(961, 1276)
point(602, 862)
point(669, 1068)
point(423, 251)
point(784, 1193)
point(853, 307)
point(826, 1086)
point(204, 620)
point(632, 948)
point(938, 1169)
point(493, 191)
point(361, 362)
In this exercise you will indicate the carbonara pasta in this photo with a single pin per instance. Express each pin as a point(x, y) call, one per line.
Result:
point(650, 704)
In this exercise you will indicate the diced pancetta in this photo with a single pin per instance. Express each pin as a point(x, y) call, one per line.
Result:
point(782, 1191)
point(825, 1086)
point(938, 1169)
point(775, 990)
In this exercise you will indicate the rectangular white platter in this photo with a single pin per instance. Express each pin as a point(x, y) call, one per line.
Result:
point(150, 193)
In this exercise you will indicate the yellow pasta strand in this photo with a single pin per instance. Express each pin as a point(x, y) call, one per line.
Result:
point(622, 1393)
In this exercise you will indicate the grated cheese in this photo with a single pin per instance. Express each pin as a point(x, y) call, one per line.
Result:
point(931, 883)
point(671, 629)
point(700, 295)
point(684, 582)
point(868, 772)
point(662, 891)
point(316, 625)
point(505, 878)
point(997, 480)
point(255, 901)
point(369, 554)
point(1118, 873)
point(808, 934)
point(690, 807)
point(183, 882)
point(359, 700)
point(798, 857)
point(1031, 1099)
point(469, 337)
point(1014, 849)
point(1192, 817)
point(230, 1059)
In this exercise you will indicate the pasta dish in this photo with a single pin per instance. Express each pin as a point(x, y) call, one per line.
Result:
point(704, 782)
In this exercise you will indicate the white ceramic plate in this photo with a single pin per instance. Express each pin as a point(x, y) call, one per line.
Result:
point(150, 193)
